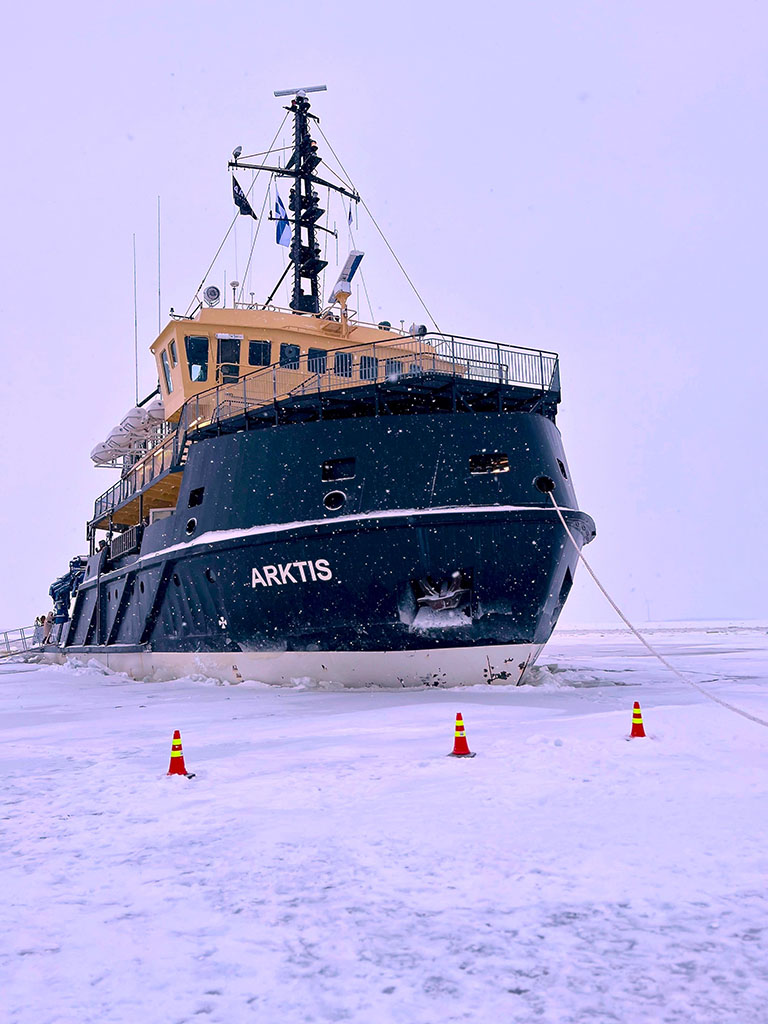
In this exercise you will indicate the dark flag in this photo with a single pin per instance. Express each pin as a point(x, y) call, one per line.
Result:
point(241, 200)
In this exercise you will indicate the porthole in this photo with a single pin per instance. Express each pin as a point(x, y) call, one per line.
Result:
point(176, 579)
point(191, 525)
point(334, 500)
point(141, 586)
point(209, 575)
point(545, 484)
point(115, 593)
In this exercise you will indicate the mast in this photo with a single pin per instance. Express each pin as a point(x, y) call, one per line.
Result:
point(304, 202)
point(305, 253)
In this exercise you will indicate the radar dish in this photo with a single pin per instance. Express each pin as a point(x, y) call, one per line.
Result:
point(212, 295)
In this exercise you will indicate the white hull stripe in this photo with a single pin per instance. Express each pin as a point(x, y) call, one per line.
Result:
point(222, 536)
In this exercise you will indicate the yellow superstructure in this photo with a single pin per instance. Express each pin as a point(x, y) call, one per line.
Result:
point(221, 345)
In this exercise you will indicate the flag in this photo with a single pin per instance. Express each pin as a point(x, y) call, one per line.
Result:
point(282, 225)
point(241, 200)
point(349, 218)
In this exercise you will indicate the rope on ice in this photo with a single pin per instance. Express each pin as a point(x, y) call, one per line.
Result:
point(739, 711)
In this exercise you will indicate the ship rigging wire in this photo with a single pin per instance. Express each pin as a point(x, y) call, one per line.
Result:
point(384, 237)
point(255, 233)
point(234, 221)
point(641, 638)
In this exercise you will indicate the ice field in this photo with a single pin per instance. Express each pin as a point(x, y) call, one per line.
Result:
point(329, 862)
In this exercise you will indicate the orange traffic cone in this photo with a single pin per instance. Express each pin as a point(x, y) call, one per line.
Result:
point(637, 723)
point(460, 748)
point(177, 766)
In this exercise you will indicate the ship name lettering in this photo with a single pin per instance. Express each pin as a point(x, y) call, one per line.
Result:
point(319, 570)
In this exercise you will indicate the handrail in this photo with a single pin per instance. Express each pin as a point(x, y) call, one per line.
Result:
point(16, 641)
point(157, 461)
point(351, 365)
point(450, 356)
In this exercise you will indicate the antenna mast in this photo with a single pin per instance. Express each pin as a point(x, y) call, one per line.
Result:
point(135, 323)
point(304, 202)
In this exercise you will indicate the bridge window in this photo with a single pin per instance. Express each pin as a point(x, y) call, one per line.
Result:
point(166, 371)
point(369, 368)
point(317, 360)
point(259, 353)
point(342, 364)
point(489, 462)
point(289, 356)
point(197, 357)
point(174, 353)
point(338, 469)
point(393, 368)
point(228, 359)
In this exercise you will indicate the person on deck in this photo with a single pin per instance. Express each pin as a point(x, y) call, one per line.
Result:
point(47, 628)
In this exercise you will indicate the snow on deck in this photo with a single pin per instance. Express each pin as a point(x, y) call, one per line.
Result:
point(329, 863)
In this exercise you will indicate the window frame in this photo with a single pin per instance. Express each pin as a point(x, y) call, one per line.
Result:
point(290, 362)
point(232, 374)
point(204, 366)
point(165, 363)
point(329, 468)
point(317, 355)
point(484, 461)
point(346, 360)
point(259, 341)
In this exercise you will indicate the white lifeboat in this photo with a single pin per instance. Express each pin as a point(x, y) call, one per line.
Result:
point(155, 411)
point(137, 424)
point(103, 454)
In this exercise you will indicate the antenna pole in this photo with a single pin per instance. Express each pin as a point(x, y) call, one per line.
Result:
point(135, 323)
point(159, 304)
point(305, 253)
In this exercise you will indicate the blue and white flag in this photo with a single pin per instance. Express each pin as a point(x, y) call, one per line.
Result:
point(282, 225)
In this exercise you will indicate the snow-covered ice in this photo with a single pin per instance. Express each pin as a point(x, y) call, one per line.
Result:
point(329, 863)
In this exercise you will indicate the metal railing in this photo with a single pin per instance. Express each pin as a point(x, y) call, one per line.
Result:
point(447, 356)
point(16, 641)
point(127, 542)
point(143, 473)
point(407, 359)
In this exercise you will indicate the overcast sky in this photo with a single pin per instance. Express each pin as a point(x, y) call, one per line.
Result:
point(588, 177)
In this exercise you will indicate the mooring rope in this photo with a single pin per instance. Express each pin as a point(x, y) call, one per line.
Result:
point(643, 641)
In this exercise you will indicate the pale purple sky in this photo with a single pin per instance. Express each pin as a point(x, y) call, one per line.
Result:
point(585, 177)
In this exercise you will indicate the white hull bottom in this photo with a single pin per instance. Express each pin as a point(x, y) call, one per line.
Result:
point(449, 666)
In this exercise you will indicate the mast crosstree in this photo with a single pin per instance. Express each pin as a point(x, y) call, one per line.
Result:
point(304, 204)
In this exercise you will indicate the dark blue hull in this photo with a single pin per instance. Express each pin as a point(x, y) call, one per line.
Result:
point(422, 554)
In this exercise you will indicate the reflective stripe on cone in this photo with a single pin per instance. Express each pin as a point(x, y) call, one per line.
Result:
point(177, 766)
point(460, 746)
point(638, 732)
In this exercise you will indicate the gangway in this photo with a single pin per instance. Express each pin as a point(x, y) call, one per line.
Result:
point(17, 641)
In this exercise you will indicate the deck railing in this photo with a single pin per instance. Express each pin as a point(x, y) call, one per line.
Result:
point(16, 641)
point(143, 473)
point(446, 356)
